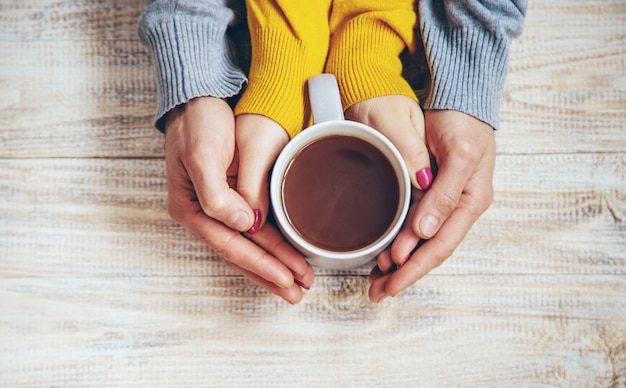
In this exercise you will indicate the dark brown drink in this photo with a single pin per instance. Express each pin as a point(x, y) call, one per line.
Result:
point(340, 193)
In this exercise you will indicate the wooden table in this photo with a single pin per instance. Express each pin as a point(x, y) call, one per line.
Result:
point(99, 287)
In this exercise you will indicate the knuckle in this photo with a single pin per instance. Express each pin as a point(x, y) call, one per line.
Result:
point(465, 150)
point(224, 245)
point(213, 206)
point(248, 191)
point(224, 248)
point(480, 204)
point(446, 202)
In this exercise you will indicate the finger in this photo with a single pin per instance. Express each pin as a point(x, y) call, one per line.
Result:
point(384, 262)
point(403, 246)
point(412, 146)
point(271, 240)
point(375, 273)
point(442, 197)
point(405, 242)
point(234, 247)
point(200, 145)
point(462, 146)
point(292, 294)
point(227, 242)
point(435, 251)
point(378, 281)
point(401, 120)
point(217, 199)
point(259, 141)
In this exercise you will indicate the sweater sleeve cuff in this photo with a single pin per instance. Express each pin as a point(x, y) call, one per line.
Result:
point(468, 68)
point(192, 58)
point(278, 76)
point(365, 58)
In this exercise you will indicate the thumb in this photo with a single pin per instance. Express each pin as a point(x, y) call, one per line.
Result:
point(259, 141)
point(200, 146)
point(217, 199)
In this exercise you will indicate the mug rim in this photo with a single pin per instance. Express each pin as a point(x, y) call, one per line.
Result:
point(339, 128)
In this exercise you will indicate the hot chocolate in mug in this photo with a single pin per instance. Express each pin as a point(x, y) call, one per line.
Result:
point(339, 190)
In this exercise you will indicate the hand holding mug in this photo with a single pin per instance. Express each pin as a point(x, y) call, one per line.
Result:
point(202, 169)
point(339, 189)
point(465, 150)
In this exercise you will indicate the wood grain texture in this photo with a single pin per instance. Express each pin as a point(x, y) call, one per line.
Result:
point(449, 331)
point(75, 217)
point(566, 89)
point(77, 99)
point(28, 20)
point(99, 288)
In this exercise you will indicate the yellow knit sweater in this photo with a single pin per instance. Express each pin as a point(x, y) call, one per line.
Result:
point(359, 41)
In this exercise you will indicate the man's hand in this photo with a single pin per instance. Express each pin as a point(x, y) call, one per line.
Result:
point(465, 150)
point(202, 169)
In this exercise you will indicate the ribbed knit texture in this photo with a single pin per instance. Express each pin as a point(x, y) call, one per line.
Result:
point(364, 57)
point(469, 68)
point(285, 54)
point(292, 41)
point(467, 46)
point(191, 52)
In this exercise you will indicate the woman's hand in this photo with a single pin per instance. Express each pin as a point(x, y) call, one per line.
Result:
point(202, 169)
point(464, 148)
point(401, 120)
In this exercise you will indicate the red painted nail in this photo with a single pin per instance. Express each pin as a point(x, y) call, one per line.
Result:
point(424, 178)
point(299, 279)
point(257, 222)
point(301, 284)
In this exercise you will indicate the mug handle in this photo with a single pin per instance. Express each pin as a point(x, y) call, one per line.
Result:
point(324, 98)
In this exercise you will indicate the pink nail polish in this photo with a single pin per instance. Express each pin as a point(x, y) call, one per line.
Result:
point(301, 284)
point(405, 260)
point(424, 178)
point(257, 222)
point(299, 280)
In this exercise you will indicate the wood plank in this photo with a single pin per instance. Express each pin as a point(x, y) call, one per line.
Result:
point(26, 20)
point(99, 287)
point(552, 330)
point(566, 88)
point(77, 100)
point(566, 214)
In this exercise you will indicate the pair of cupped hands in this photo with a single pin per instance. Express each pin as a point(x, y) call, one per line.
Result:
point(217, 180)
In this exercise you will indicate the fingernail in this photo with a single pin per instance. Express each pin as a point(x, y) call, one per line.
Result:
point(240, 220)
point(257, 222)
point(428, 226)
point(404, 260)
point(300, 283)
point(424, 178)
point(299, 279)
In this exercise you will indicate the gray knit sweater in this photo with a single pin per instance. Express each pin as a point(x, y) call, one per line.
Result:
point(467, 46)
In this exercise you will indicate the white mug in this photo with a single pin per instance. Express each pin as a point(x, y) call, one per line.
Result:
point(329, 122)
